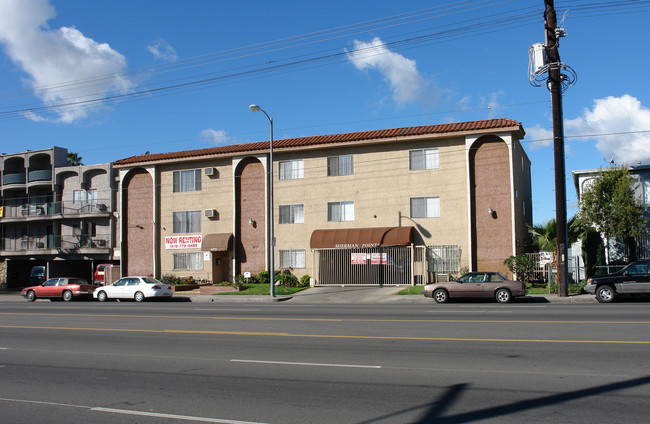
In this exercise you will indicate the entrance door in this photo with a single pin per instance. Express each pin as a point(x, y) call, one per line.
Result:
point(220, 262)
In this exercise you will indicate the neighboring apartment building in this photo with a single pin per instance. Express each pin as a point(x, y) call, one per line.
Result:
point(641, 174)
point(375, 207)
point(54, 215)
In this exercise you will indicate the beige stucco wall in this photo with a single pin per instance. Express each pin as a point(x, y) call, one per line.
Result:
point(381, 188)
point(216, 193)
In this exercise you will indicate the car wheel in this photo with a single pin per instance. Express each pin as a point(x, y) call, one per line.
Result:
point(101, 296)
point(605, 294)
point(503, 296)
point(67, 295)
point(440, 296)
point(139, 296)
point(31, 296)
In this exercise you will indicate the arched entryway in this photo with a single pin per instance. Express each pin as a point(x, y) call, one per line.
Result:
point(137, 222)
point(250, 219)
point(491, 204)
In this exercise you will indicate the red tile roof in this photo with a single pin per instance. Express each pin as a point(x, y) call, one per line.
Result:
point(457, 127)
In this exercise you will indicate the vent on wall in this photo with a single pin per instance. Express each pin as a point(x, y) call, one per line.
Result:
point(211, 172)
point(211, 213)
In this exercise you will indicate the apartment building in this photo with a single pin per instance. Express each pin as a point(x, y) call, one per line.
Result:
point(54, 215)
point(389, 206)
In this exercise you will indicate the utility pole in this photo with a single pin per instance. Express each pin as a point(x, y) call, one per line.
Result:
point(555, 86)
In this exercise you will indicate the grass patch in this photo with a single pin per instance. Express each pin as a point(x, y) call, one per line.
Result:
point(411, 290)
point(263, 289)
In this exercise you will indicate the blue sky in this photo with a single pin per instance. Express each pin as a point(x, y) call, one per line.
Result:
point(112, 79)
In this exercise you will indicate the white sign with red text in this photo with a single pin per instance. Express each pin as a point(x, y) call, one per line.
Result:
point(184, 242)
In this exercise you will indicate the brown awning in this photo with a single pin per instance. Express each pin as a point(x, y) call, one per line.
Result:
point(217, 242)
point(355, 238)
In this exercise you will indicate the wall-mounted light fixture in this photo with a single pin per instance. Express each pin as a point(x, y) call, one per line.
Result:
point(139, 226)
point(251, 221)
point(490, 211)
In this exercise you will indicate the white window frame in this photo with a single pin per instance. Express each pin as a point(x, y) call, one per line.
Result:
point(430, 206)
point(188, 261)
point(291, 169)
point(340, 211)
point(420, 159)
point(84, 196)
point(291, 214)
point(292, 258)
point(186, 222)
point(340, 165)
point(186, 180)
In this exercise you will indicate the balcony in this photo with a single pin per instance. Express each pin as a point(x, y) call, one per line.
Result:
point(35, 245)
point(49, 209)
point(40, 175)
point(16, 178)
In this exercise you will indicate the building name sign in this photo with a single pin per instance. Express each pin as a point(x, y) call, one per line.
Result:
point(183, 242)
point(355, 245)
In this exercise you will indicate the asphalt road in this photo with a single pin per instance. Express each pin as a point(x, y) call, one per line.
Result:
point(464, 362)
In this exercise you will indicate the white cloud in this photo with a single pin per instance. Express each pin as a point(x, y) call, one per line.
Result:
point(49, 57)
point(218, 137)
point(162, 51)
point(539, 137)
point(626, 119)
point(406, 83)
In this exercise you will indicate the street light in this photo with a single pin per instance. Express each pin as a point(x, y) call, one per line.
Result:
point(256, 108)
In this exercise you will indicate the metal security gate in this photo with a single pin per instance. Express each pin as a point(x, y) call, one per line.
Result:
point(364, 267)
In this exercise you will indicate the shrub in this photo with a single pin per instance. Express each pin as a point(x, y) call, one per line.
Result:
point(521, 265)
point(264, 277)
point(305, 280)
point(287, 279)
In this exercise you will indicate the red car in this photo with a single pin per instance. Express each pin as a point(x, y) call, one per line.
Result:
point(65, 288)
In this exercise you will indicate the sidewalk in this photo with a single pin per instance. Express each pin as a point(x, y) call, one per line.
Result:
point(337, 295)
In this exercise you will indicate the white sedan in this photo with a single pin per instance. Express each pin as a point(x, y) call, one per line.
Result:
point(136, 288)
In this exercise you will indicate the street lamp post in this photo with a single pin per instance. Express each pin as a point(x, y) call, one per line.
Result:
point(256, 108)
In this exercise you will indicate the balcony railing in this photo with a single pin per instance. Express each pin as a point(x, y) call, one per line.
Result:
point(55, 208)
point(66, 243)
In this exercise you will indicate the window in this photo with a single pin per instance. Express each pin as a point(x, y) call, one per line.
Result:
point(423, 159)
point(189, 180)
point(292, 169)
point(84, 196)
point(187, 222)
point(646, 192)
point(340, 211)
point(340, 165)
point(292, 214)
point(425, 207)
point(292, 258)
point(188, 261)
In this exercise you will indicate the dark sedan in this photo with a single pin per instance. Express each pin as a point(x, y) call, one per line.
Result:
point(65, 288)
point(476, 284)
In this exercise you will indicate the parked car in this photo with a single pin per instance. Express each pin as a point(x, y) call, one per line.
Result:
point(136, 288)
point(633, 279)
point(476, 284)
point(37, 275)
point(100, 272)
point(65, 288)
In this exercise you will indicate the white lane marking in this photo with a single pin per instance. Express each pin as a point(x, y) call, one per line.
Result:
point(309, 364)
point(139, 413)
point(172, 416)
point(4, 348)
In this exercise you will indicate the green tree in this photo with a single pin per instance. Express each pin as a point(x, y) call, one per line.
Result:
point(522, 266)
point(609, 205)
point(74, 158)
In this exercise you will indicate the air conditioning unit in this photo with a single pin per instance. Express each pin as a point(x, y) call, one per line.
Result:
point(40, 245)
point(210, 172)
point(211, 213)
point(100, 207)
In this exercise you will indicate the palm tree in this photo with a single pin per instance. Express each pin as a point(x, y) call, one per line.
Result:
point(545, 236)
point(74, 159)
